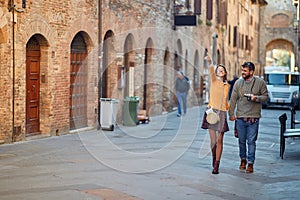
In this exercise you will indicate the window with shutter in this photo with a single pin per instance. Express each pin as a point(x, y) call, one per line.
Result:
point(209, 9)
point(235, 36)
point(197, 7)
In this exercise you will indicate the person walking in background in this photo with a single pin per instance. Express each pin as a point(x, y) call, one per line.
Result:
point(218, 100)
point(245, 107)
point(182, 86)
point(231, 83)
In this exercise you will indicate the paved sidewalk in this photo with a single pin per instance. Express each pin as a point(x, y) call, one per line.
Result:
point(168, 158)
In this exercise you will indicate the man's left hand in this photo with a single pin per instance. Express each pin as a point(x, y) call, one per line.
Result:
point(253, 97)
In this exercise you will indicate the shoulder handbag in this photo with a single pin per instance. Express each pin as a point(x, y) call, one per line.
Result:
point(212, 117)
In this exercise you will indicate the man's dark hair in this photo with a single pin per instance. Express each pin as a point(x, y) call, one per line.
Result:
point(249, 65)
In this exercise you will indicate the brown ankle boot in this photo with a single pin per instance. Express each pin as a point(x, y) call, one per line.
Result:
point(249, 168)
point(213, 161)
point(216, 167)
point(243, 164)
point(213, 153)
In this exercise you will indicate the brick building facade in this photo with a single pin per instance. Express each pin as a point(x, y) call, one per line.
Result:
point(60, 57)
point(242, 35)
point(48, 67)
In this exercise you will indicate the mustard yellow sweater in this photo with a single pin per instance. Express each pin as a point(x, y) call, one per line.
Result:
point(218, 94)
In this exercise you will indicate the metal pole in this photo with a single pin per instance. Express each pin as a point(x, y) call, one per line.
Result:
point(297, 36)
point(12, 9)
point(13, 44)
point(258, 46)
point(99, 60)
point(238, 39)
point(174, 13)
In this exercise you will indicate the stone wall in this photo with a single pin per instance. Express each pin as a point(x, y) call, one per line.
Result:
point(277, 29)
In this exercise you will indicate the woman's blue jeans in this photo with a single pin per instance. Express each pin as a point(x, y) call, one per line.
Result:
point(247, 132)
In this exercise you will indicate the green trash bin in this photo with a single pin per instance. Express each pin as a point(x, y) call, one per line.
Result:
point(130, 110)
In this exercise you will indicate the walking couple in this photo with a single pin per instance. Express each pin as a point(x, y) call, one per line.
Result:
point(244, 108)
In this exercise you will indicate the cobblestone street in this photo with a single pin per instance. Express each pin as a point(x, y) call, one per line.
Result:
point(165, 159)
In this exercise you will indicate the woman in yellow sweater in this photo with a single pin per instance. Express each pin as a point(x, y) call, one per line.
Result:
point(218, 100)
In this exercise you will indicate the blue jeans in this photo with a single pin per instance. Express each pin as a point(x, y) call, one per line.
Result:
point(247, 132)
point(181, 99)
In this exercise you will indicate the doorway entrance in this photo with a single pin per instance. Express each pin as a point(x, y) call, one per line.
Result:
point(32, 87)
point(78, 83)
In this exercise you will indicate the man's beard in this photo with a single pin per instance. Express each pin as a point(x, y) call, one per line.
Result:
point(246, 77)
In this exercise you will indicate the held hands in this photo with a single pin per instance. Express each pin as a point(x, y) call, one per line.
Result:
point(232, 118)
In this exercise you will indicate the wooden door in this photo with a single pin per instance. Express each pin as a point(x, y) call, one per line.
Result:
point(78, 90)
point(32, 92)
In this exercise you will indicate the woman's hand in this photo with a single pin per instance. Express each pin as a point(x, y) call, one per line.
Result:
point(232, 118)
point(208, 59)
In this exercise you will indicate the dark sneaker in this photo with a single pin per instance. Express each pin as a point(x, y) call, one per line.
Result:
point(178, 115)
point(243, 164)
point(249, 168)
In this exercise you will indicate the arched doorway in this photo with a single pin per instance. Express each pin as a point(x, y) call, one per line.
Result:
point(186, 63)
point(281, 52)
point(167, 82)
point(129, 64)
point(148, 74)
point(197, 83)
point(178, 56)
point(33, 55)
point(78, 83)
point(107, 62)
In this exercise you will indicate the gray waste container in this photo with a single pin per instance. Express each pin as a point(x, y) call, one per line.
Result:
point(130, 110)
point(108, 113)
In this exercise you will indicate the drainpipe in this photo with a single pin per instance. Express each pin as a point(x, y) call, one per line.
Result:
point(258, 40)
point(11, 8)
point(99, 56)
point(297, 39)
point(174, 13)
point(238, 39)
point(261, 18)
point(13, 52)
